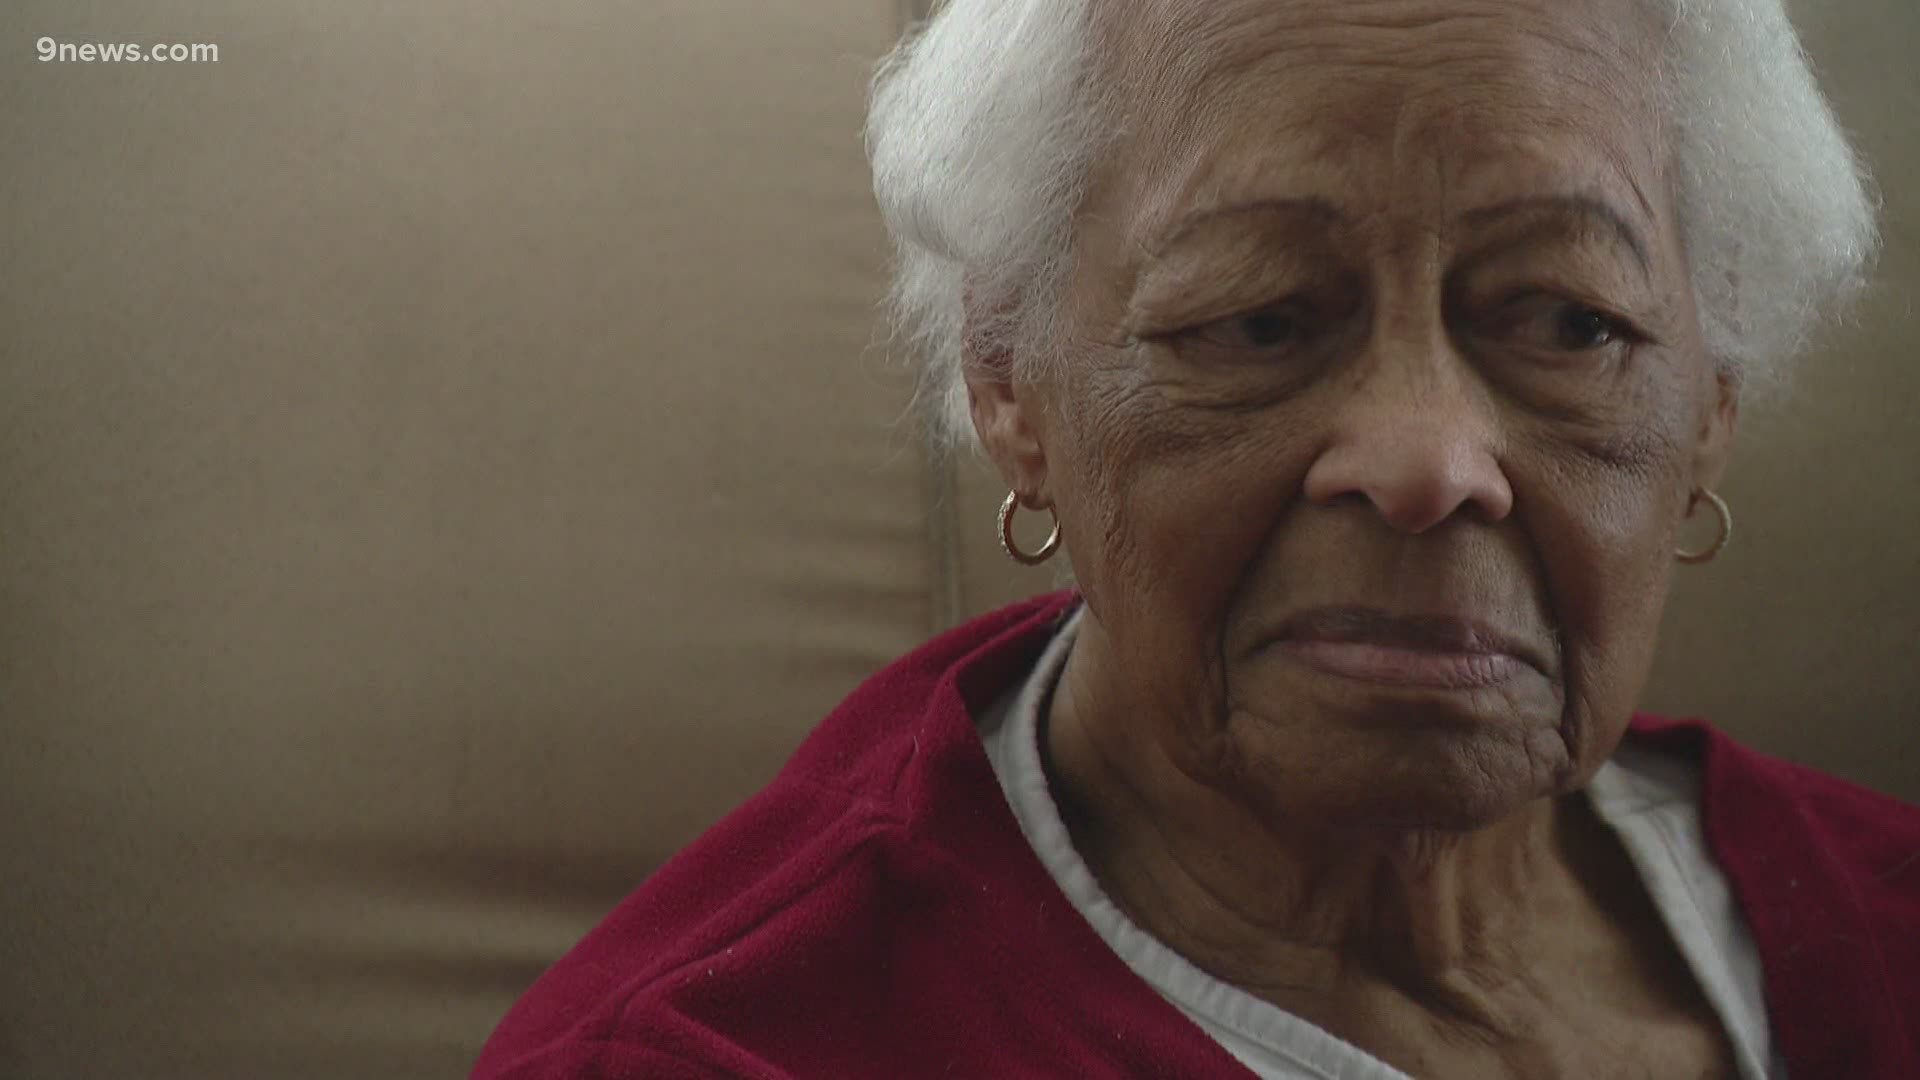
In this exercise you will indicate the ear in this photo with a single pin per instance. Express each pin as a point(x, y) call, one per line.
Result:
point(1717, 426)
point(1007, 416)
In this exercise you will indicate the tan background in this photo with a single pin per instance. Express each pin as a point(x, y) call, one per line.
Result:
point(443, 467)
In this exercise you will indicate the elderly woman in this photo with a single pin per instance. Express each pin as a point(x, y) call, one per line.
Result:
point(1369, 357)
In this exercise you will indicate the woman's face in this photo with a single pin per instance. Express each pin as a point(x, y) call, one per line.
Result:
point(1382, 399)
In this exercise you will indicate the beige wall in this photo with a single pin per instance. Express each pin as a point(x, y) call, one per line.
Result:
point(442, 467)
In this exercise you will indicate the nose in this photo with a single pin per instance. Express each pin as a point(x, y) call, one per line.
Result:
point(1418, 440)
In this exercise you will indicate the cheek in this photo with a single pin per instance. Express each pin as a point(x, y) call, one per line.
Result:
point(1170, 508)
point(1604, 530)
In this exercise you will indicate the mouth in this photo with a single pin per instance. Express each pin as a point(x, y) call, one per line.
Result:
point(1440, 652)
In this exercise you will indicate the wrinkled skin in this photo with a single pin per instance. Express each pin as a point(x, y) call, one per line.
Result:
point(1376, 304)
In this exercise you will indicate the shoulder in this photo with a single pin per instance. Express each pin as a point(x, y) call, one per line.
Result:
point(773, 880)
point(1827, 874)
point(941, 684)
point(1875, 832)
point(1806, 852)
point(793, 909)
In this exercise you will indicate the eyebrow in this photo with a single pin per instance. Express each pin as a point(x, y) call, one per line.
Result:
point(1324, 210)
point(1308, 206)
point(1586, 206)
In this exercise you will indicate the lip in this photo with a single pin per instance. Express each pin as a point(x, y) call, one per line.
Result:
point(1442, 652)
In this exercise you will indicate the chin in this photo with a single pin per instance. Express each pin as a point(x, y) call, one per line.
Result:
point(1429, 776)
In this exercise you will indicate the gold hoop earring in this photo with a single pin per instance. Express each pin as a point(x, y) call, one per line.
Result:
point(1007, 510)
point(1706, 554)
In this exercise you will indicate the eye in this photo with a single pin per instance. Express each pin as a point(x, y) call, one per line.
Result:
point(1276, 327)
point(1581, 328)
point(1554, 325)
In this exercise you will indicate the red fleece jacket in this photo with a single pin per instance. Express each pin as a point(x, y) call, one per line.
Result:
point(875, 912)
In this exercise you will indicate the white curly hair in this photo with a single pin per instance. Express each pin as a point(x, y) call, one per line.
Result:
point(984, 124)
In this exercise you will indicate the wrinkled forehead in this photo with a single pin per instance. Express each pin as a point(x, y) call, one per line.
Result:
point(1372, 97)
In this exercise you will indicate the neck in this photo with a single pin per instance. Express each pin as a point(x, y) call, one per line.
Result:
point(1304, 911)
